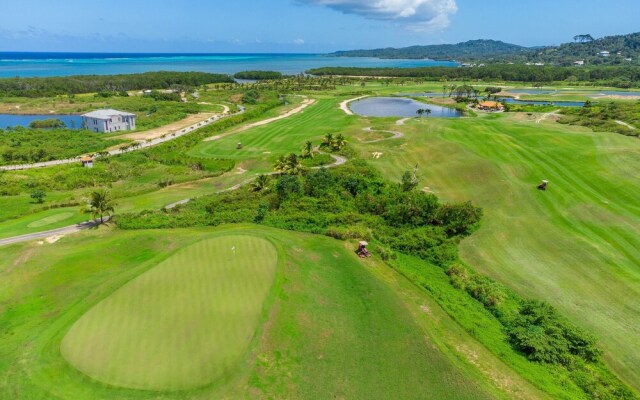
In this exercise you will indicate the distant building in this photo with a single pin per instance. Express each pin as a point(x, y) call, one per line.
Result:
point(490, 106)
point(604, 53)
point(578, 63)
point(628, 59)
point(109, 121)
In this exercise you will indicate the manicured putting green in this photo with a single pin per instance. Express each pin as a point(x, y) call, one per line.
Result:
point(181, 325)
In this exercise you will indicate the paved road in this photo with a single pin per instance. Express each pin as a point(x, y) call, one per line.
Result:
point(138, 146)
point(53, 232)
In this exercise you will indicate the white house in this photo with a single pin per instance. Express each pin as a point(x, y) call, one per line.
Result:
point(604, 53)
point(578, 63)
point(109, 121)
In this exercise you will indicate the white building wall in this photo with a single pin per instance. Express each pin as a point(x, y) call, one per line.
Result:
point(114, 124)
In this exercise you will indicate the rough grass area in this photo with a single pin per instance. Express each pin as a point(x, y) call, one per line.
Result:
point(334, 329)
point(573, 245)
point(181, 325)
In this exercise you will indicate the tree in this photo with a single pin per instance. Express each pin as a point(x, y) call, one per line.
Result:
point(99, 203)
point(38, 195)
point(420, 111)
point(289, 164)
point(307, 150)
point(260, 184)
point(339, 142)
point(327, 141)
point(489, 90)
point(409, 181)
point(427, 111)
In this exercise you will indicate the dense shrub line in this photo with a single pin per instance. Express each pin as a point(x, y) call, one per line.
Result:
point(621, 76)
point(602, 117)
point(258, 75)
point(22, 146)
point(52, 86)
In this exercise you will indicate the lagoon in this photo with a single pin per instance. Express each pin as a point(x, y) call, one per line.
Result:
point(16, 120)
point(398, 107)
point(65, 64)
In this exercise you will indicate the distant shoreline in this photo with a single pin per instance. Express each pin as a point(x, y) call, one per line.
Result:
point(50, 64)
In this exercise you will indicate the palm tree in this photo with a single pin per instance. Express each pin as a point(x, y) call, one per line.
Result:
point(419, 112)
point(427, 111)
point(261, 182)
point(289, 164)
point(327, 141)
point(339, 142)
point(99, 203)
point(281, 164)
point(307, 150)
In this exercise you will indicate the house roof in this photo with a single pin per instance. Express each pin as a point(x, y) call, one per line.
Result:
point(490, 104)
point(86, 159)
point(107, 114)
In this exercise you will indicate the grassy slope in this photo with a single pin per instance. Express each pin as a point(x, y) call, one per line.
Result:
point(264, 144)
point(329, 315)
point(574, 245)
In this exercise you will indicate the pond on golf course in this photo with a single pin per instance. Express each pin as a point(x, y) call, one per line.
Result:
point(398, 107)
point(16, 120)
point(510, 100)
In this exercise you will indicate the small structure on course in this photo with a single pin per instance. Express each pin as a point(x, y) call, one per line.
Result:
point(109, 121)
point(86, 161)
point(490, 106)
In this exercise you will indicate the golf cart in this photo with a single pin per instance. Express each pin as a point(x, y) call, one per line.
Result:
point(362, 249)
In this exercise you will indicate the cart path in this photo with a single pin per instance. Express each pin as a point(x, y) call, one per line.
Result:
point(67, 230)
point(134, 147)
point(395, 134)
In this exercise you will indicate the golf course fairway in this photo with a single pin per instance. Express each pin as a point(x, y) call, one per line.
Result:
point(181, 325)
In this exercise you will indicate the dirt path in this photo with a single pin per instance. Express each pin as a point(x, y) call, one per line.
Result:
point(547, 115)
point(344, 106)
point(137, 146)
point(169, 129)
point(305, 103)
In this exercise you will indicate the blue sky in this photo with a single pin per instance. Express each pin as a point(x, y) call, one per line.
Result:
point(300, 25)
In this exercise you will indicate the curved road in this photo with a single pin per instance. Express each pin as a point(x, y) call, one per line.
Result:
point(395, 134)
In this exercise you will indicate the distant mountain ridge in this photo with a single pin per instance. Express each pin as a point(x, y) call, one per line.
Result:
point(610, 50)
point(467, 51)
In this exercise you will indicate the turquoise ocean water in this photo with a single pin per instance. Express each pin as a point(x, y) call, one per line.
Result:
point(64, 64)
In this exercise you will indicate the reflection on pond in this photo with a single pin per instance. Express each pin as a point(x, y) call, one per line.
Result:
point(398, 107)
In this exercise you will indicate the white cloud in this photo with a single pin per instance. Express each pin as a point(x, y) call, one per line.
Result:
point(298, 41)
point(417, 14)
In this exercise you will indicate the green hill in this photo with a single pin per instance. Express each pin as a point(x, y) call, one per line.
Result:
point(466, 51)
point(622, 50)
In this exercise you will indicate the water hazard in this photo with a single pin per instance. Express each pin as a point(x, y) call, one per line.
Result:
point(398, 107)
